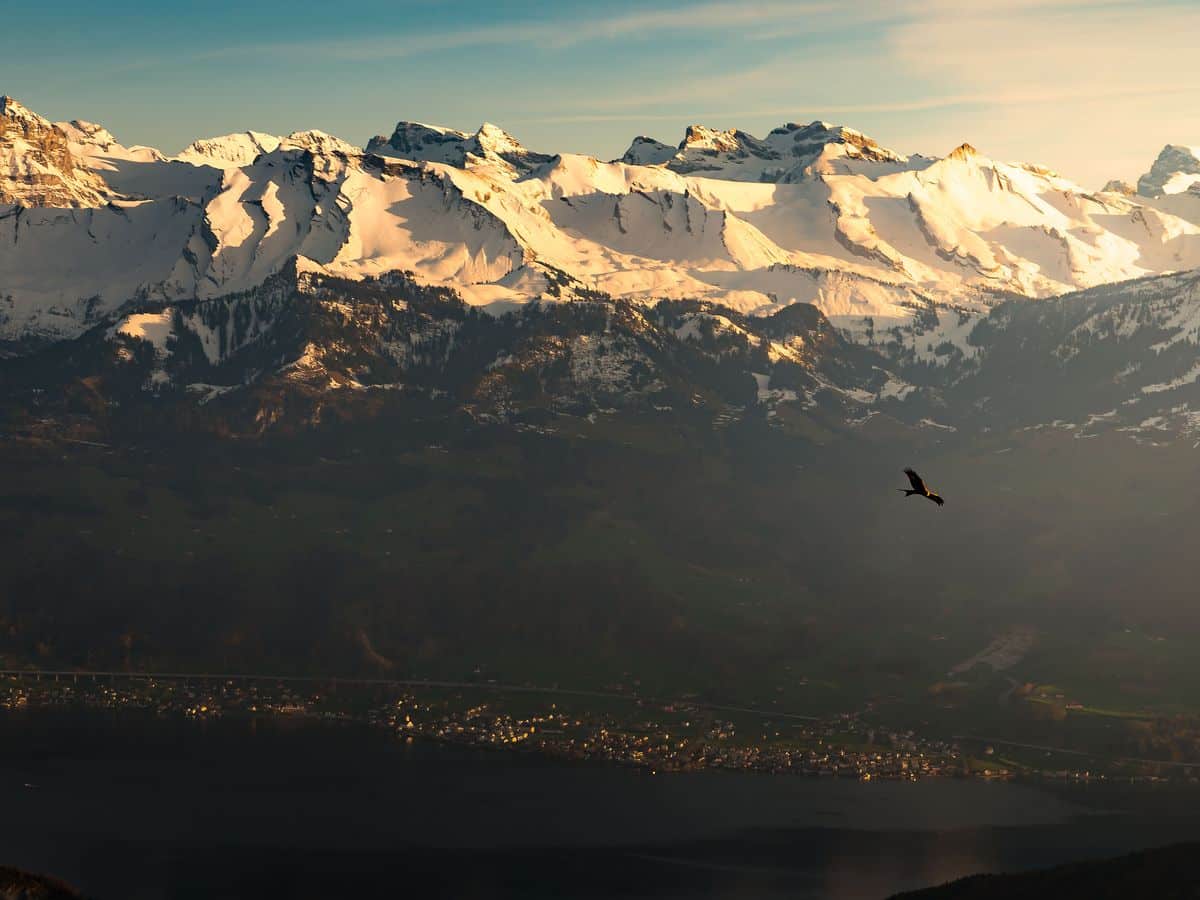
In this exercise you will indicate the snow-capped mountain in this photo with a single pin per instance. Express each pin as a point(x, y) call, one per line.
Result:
point(1177, 169)
point(788, 154)
point(230, 151)
point(813, 213)
point(37, 165)
point(646, 151)
point(490, 146)
point(907, 257)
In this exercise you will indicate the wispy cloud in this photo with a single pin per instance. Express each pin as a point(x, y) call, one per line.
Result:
point(650, 24)
point(748, 19)
point(641, 112)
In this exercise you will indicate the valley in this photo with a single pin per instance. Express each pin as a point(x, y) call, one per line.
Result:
point(508, 469)
point(357, 552)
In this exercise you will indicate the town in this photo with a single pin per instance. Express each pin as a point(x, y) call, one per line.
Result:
point(654, 736)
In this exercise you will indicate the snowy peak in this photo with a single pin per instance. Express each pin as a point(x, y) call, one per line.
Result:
point(731, 154)
point(15, 112)
point(319, 143)
point(1118, 186)
point(97, 148)
point(1176, 170)
point(806, 138)
point(89, 134)
point(788, 154)
point(421, 143)
point(646, 151)
point(494, 139)
point(826, 149)
point(490, 146)
point(962, 153)
point(700, 137)
point(37, 165)
point(229, 150)
point(243, 149)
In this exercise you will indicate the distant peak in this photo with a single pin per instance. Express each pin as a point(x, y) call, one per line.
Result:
point(89, 132)
point(493, 138)
point(237, 149)
point(418, 129)
point(815, 127)
point(1175, 170)
point(420, 141)
point(963, 151)
point(88, 127)
point(703, 137)
point(1180, 150)
point(318, 141)
point(38, 166)
point(10, 108)
point(646, 151)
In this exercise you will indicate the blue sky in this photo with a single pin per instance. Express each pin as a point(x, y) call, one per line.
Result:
point(1092, 88)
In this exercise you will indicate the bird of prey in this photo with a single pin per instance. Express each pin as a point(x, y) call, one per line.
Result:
point(919, 489)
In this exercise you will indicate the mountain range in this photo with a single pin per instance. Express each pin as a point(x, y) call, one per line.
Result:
point(809, 273)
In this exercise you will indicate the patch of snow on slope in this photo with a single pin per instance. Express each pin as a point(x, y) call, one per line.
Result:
point(155, 328)
point(1186, 379)
point(895, 389)
point(229, 150)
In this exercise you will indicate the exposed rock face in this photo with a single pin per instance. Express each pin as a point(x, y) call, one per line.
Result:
point(37, 167)
point(963, 152)
point(1117, 186)
point(489, 146)
point(413, 140)
point(788, 154)
point(808, 139)
point(1176, 170)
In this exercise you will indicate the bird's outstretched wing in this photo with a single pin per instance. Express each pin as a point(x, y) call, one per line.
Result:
point(917, 483)
point(935, 498)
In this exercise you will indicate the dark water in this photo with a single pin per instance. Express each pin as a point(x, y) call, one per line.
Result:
point(131, 807)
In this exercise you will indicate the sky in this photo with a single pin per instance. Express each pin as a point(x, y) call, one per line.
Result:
point(1090, 88)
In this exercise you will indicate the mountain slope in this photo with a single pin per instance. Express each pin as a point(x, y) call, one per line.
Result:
point(37, 167)
point(278, 353)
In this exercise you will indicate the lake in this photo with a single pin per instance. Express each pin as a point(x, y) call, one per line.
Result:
point(129, 806)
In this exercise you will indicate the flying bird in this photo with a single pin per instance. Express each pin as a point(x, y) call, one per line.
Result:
point(919, 489)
